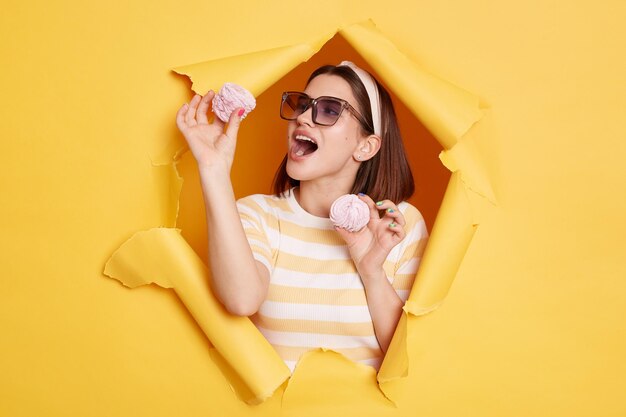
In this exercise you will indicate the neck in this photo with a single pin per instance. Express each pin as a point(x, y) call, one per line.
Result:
point(316, 197)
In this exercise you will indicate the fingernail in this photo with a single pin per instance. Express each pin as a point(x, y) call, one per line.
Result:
point(241, 112)
point(361, 194)
point(390, 210)
point(379, 203)
point(392, 225)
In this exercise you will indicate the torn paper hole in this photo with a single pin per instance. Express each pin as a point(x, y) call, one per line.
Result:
point(162, 255)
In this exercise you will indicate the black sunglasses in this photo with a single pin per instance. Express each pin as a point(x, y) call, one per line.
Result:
point(326, 110)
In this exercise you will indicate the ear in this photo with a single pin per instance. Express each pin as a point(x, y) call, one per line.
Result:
point(367, 148)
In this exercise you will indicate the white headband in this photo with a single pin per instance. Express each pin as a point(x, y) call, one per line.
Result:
point(372, 92)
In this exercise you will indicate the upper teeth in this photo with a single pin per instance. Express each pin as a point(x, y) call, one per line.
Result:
point(302, 137)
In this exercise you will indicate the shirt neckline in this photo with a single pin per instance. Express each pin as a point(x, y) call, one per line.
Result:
point(309, 218)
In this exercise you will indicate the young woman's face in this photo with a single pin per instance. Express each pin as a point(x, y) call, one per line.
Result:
point(332, 155)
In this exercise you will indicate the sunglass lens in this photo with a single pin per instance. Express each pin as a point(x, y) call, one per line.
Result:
point(293, 105)
point(328, 111)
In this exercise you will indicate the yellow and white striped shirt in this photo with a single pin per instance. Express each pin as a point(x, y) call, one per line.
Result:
point(316, 297)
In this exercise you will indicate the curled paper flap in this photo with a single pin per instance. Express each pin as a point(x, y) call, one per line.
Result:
point(162, 256)
point(446, 110)
point(464, 158)
point(398, 367)
point(447, 245)
point(451, 236)
point(255, 71)
point(317, 368)
point(169, 206)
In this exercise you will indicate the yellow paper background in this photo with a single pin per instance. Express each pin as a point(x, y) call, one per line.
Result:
point(534, 322)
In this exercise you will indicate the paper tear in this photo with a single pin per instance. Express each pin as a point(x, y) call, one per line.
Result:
point(162, 256)
point(240, 389)
point(464, 158)
point(445, 109)
point(397, 367)
point(168, 174)
point(173, 149)
point(255, 71)
point(451, 236)
point(316, 367)
point(255, 370)
point(449, 241)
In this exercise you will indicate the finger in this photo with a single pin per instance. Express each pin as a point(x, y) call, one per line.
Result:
point(233, 123)
point(390, 208)
point(217, 122)
point(385, 204)
point(372, 206)
point(396, 215)
point(190, 118)
point(180, 117)
point(397, 230)
point(203, 108)
point(345, 235)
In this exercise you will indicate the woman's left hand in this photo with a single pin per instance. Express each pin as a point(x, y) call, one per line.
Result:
point(370, 246)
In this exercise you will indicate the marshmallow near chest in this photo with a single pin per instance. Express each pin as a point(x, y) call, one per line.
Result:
point(349, 212)
point(231, 97)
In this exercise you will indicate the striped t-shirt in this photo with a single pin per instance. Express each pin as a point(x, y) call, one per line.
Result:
point(316, 298)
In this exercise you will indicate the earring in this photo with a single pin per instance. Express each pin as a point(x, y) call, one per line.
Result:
point(358, 157)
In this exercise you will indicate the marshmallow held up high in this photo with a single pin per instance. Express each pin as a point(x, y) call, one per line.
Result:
point(230, 97)
point(350, 213)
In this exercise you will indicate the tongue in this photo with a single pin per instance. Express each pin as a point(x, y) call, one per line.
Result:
point(304, 148)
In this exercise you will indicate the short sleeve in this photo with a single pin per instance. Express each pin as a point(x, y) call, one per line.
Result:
point(254, 218)
point(410, 251)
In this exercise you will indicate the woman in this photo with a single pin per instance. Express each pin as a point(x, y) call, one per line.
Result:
point(305, 283)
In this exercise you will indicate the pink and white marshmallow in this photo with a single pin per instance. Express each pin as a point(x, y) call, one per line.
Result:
point(350, 213)
point(230, 97)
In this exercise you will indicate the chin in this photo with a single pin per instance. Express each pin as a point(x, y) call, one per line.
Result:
point(294, 174)
point(298, 174)
point(292, 170)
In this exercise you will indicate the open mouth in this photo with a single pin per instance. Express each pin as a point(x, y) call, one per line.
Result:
point(303, 145)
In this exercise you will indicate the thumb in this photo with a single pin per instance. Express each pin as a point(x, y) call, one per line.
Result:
point(233, 123)
point(347, 237)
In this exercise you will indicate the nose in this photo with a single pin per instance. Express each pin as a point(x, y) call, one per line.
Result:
point(306, 117)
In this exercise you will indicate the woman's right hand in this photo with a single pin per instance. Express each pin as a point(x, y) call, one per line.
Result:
point(212, 146)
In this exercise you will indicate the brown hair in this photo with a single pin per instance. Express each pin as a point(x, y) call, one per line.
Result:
point(385, 176)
